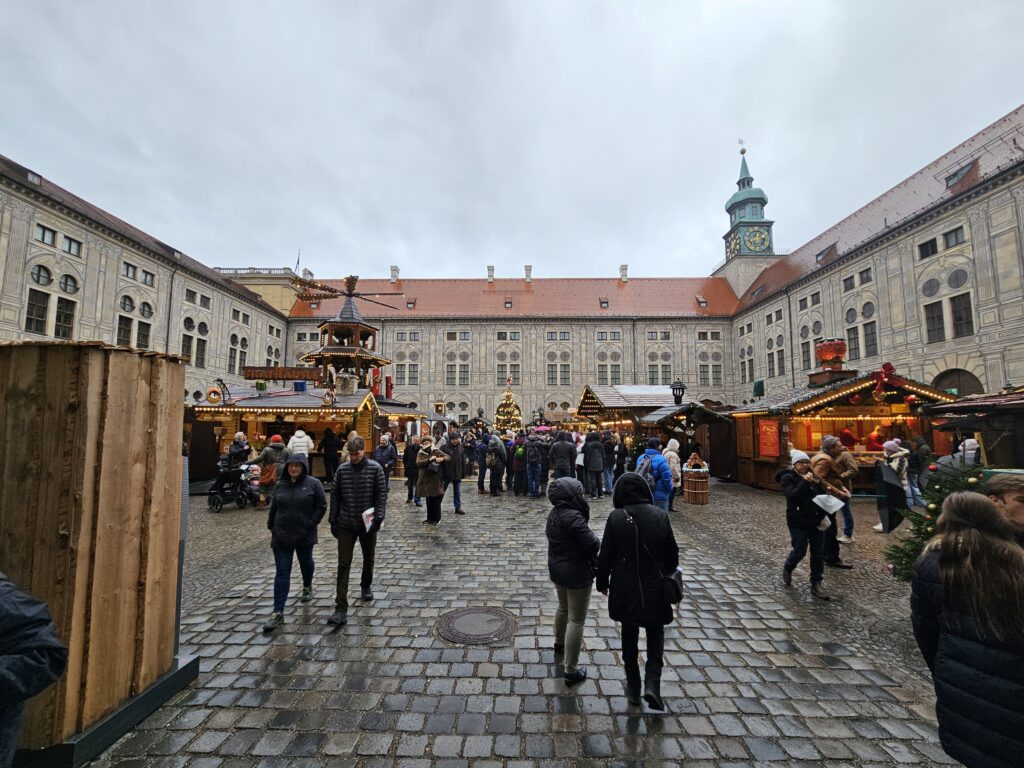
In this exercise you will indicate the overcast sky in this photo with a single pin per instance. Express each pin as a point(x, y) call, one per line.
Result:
point(443, 136)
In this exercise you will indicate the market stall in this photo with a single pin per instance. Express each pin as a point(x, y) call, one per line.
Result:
point(996, 420)
point(690, 423)
point(863, 410)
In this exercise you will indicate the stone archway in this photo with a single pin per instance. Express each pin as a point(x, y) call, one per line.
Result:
point(964, 382)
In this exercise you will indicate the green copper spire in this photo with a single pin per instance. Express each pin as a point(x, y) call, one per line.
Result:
point(744, 173)
point(746, 193)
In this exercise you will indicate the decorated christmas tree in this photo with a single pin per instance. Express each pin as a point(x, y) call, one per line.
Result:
point(902, 555)
point(508, 416)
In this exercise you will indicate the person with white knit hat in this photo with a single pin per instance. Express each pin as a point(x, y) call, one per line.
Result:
point(803, 517)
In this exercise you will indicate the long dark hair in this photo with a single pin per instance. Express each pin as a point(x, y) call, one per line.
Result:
point(981, 565)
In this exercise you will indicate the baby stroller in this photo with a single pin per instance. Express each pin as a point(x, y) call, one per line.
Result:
point(238, 484)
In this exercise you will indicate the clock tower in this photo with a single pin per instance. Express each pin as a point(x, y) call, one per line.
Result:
point(748, 243)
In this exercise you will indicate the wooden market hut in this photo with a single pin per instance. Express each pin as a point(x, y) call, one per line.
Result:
point(828, 405)
point(696, 422)
point(998, 419)
point(620, 407)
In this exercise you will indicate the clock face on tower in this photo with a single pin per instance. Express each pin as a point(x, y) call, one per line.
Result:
point(756, 238)
point(732, 245)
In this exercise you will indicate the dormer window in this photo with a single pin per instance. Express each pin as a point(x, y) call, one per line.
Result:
point(410, 304)
point(604, 302)
point(701, 301)
point(757, 292)
point(508, 303)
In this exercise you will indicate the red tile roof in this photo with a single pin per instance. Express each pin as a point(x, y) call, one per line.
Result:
point(542, 297)
point(987, 153)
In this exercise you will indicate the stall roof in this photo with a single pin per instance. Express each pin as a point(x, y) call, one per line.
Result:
point(704, 414)
point(288, 399)
point(805, 398)
point(1007, 400)
point(387, 408)
point(630, 395)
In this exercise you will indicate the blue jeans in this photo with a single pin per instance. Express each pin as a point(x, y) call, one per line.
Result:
point(847, 519)
point(609, 479)
point(457, 493)
point(914, 496)
point(283, 576)
point(661, 502)
point(801, 539)
point(533, 479)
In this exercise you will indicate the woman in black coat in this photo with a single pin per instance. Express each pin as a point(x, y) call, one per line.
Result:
point(967, 608)
point(298, 507)
point(572, 559)
point(637, 549)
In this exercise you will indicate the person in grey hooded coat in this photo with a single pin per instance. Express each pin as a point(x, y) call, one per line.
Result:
point(638, 547)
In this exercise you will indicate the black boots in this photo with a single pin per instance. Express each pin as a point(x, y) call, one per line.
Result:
point(574, 678)
point(652, 694)
point(633, 685)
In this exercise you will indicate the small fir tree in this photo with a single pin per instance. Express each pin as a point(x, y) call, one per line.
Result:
point(902, 555)
point(508, 416)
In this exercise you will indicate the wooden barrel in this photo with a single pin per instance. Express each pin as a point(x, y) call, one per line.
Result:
point(695, 486)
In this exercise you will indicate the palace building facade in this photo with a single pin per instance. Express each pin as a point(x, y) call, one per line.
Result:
point(928, 276)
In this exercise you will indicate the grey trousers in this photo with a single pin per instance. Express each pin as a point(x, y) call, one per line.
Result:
point(569, 620)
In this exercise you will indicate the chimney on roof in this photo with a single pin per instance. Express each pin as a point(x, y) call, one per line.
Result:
point(624, 273)
point(394, 274)
point(490, 273)
point(529, 273)
point(307, 274)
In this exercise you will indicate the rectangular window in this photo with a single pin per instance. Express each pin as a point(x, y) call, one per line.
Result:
point(750, 369)
point(130, 270)
point(702, 335)
point(400, 336)
point(716, 375)
point(269, 362)
point(926, 249)
point(802, 303)
point(463, 375)
point(204, 301)
point(565, 379)
point(666, 374)
point(935, 327)
point(241, 360)
point(602, 335)
point(400, 374)
point(602, 374)
point(45, 235)
point(704, 375)
point(514, 335)
point(963, 318)
point(513, 371)
point(768, 319)
point(300, 337)
point(615, 336)
point(142, 335)
point(953, 237)
point(65, 318)
point(552, 336)
point(616, 374)
point(849, 283)
point(245, 317)
point(666, 335)
point(743, 371)
point(190, 295)
point(652, 374)
point(200, 361)
point(652, 335)
point(450, 373)
point(450, 336)
point(563, 335)
point(502, 374)
point(124, 331)
point(771, 365)
point(148, 278)
point(815, 298)
point(552, 375)
point(236, 315)
point(35, 314)
point(865, 276)
point(716, 335)
point(778, 314)
point(780, 356)
point(232, 359)
point(502, 335)
point(414, 335)
point(464, 336)
point(414, 374)
point(805, 355)
point(71, 246)
point(853, 343)
point(742, 330)
point(870, 339)
point(186, 347)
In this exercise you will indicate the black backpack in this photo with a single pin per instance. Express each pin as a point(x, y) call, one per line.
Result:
point(532, 452)
point(645, 468)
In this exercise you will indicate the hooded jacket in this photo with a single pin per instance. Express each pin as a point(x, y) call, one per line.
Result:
point(593, 453)
point(979, 681)
point(660, 472)
point(356, 489)
point(274, 453)
point(31, 657)
point(562, 455)
point(572, 546)
point(300, 442)
point(671, 454)
point(297, 508)
point(631, 573)
point(801, 511)
point(497, 448)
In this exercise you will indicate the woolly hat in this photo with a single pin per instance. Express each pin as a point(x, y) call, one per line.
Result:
point(276, 439)
point(795, 456)
point(891, 446)
point(828, 441)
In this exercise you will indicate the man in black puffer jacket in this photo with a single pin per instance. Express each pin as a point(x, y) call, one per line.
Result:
point(359, 485)
point(31, 657)
point(562, 456)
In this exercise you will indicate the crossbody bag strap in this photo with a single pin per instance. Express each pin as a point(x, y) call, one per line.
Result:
point(636, 546)
point(636, 527)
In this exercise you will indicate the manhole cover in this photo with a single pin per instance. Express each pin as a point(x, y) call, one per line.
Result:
point(476, 626)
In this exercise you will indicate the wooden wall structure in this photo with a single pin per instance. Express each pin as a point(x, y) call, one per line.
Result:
point(90, 439)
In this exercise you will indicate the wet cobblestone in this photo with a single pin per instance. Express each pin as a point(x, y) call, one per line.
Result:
point(755, 673)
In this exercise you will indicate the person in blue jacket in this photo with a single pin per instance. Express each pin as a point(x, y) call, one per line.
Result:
point(653, 467)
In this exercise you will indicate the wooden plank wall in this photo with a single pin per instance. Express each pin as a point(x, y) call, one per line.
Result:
point(89, 517)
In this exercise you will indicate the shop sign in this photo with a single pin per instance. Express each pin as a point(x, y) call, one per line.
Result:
point(278, 373)
point(768, 437)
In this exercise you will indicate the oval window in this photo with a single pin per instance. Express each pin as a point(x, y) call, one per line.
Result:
point(68, 284)
point(189, 323)
point(127, 304)
point(816, 328)
point(771, 343)
point(244, 343)
point(203, 329)
point(957, 278)
point(851, 316)
point(234, 339)
point(41, 275)
point(868, 310)
point(146, 309)
point(931, 287)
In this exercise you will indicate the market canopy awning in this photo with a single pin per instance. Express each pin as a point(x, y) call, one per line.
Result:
point(312, 401)
point(598, 398)
point(1011, 399)
point(692, 411)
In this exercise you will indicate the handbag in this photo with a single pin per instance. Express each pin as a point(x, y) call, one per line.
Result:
point(491, 460)
point(268, 475)
point(671, 584)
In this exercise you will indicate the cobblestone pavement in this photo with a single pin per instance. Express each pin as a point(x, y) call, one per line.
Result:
point(755, 674)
